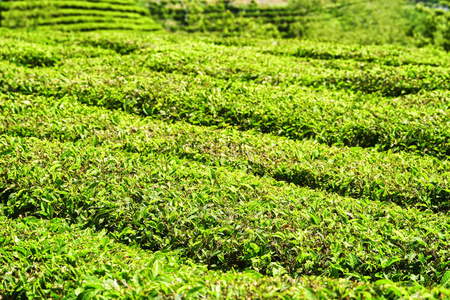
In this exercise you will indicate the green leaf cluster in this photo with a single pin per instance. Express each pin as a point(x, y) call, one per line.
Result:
point(178, 166)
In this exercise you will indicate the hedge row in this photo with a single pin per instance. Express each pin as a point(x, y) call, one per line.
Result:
point(168, 89)
point(402, 178)
point(73, 263)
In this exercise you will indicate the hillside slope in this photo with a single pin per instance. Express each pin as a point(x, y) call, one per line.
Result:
point(77, 15)
point(377, 22)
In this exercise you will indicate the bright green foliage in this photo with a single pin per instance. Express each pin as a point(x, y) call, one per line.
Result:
point(257, 222)
point(345, 101)
point(435, 27)
point(189, 167)
point(376, 22)
point(365, 22)
point(401, 178)
point(76, 15)
point(51, 259)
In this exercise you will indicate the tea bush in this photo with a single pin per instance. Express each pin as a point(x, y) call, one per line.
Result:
point(176, 166)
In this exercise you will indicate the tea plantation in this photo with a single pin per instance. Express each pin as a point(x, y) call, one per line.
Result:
point(69, 15)
point(156, 165)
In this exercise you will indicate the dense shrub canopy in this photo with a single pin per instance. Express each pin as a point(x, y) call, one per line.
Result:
point(70, 15)
point(137, 165)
